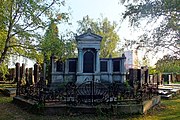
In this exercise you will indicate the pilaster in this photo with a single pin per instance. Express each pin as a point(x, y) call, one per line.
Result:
point(80, 60)
point(97, 61)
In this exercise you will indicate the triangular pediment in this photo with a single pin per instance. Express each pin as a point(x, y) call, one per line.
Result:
point(88, 36)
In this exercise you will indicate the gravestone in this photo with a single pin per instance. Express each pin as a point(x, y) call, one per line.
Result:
point(31, 76)
point(22, 74)
point(22, 71)
point(36, 73)
point(27, 76)
point(17, 79)
point(134, 77)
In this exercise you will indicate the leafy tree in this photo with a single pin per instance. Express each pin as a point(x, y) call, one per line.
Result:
point(168, 64)
point(152, 70)
point(165, 12)
point(104, 28)
point(21, 21)
point(53, 44)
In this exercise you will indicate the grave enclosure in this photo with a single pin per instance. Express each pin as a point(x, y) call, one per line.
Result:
point(82, 84)
point(88, 65)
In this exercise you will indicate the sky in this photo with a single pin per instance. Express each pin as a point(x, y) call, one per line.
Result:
point(93, 8)
point(111, 9)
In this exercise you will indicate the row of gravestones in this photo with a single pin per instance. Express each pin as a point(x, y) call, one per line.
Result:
point(138, 77)
point(141, 76)
point(22, 73)
point(26, 76)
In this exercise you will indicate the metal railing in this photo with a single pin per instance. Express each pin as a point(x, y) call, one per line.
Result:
point(88, 93)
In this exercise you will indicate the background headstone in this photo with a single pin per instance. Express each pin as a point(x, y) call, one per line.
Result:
point(17, 79)
point(36, 73)
point(30, 76)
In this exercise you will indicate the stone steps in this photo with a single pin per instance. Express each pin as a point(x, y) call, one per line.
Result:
point(169, 91)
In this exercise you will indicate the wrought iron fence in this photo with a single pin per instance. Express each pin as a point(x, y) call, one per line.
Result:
point(88, 93)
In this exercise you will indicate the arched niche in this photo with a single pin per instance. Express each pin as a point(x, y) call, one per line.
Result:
point(88, 62)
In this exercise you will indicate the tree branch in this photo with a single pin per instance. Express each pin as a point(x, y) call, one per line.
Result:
point(31, 23)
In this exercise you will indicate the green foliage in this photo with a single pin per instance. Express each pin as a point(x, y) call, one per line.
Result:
point(4, 100)
point(3, 34)
point(21, 21)
point(51, 44)
point(169, 64)
point(165, 12)
point(4, 70)
point(152, 70)
point(145, 61)
point(104, 28)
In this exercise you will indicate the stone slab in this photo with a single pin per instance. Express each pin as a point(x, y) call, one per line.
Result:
point(63, 109)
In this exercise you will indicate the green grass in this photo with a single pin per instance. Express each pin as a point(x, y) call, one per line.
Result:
point(176, 82)
point(7, 85)
point(167, 110)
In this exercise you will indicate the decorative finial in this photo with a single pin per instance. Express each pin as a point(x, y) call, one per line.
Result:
point(110, 56)
point(123, 55)
point(89, 30)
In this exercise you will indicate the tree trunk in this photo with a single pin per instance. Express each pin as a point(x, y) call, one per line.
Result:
point(3, 55)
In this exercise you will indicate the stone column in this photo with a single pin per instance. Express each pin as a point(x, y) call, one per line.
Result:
point(123, 68)
point(169, 79)
point(44, 71)
point(123, 63)
point(80, 60)
point(110, 69)
point(97, 61)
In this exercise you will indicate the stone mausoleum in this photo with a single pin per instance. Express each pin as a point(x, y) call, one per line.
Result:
point(88, 66)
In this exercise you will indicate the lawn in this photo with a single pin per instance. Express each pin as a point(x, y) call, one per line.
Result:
point(167, 110)
point(7, 85)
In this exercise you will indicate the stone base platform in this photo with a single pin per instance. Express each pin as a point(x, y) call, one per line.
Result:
point(168, 91)
point(63, 109)
point(137, 108)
